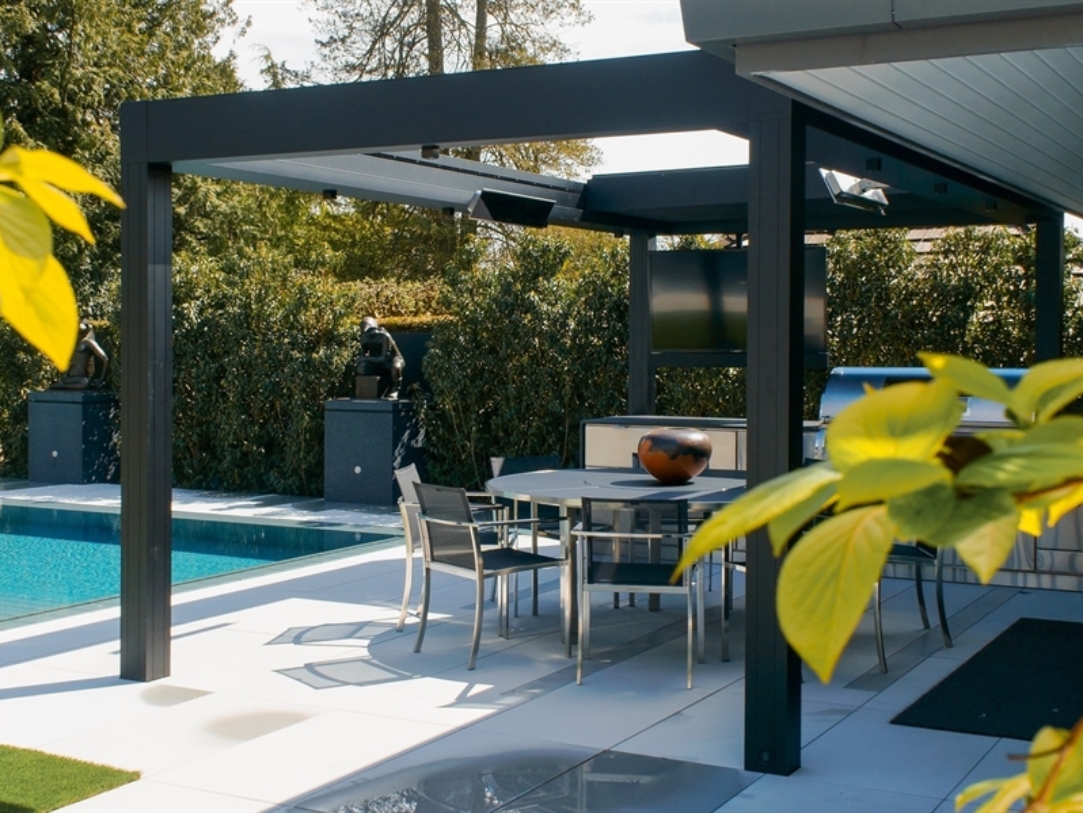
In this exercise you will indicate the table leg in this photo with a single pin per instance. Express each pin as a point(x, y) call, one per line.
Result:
point(570, 582)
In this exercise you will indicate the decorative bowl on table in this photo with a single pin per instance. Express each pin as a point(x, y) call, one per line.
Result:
point(674, 456)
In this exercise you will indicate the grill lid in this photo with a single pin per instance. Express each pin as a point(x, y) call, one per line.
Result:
point(846, 384)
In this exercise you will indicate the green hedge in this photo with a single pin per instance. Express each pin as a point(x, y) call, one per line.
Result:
point(257, 350)
point(525, 343)
point(538, 341)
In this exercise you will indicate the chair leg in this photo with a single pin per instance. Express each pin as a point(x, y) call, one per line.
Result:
point(424, 609)
point(726, 589)
point(407, 588)
point(701, 619)
point(583, 650)
point(878, 624)
point(691, 630)
point(940, 611)
point(479, 607)
point(920, 590)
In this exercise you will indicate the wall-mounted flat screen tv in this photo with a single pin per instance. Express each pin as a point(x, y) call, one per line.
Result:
point(699, 302)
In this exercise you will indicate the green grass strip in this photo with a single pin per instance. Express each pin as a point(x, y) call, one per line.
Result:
point(35, 782)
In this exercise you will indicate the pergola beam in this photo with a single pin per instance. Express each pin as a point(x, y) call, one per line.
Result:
point(661, 93)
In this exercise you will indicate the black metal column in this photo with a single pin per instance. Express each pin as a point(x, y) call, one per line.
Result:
point(146, 405)
point(1049, 289)
point(640, 373)
point(775, 358)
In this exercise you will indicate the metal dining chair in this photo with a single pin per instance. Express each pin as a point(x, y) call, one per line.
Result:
point(917, 556)
point(452, 544)
point(548, 526)
point(412, 530)
point(612, 535)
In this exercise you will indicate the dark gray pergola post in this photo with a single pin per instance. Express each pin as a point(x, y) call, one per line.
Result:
point(775, 359)
point(146, 399)
point(1049, 289)
point(640, 373)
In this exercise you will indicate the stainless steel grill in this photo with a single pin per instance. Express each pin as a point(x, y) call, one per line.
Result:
point(1052, 560)
point(846, 384)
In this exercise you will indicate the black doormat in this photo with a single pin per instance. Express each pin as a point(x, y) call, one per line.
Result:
point(1029, 676)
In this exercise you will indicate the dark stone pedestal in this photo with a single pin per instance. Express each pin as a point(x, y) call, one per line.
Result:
point(363, 443)
point(73, 437)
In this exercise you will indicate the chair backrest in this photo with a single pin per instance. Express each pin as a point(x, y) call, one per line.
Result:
point(411, 524)
point(406, 477)
point(631, 522)
point(454, 545)
point(521, 465)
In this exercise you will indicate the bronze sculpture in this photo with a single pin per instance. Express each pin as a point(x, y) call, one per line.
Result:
point(83, 370)
point(380, 358)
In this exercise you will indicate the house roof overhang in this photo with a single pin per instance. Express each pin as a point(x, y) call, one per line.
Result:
point(991, 86)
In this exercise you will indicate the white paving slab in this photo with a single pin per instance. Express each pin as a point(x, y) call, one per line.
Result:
point(292, 685)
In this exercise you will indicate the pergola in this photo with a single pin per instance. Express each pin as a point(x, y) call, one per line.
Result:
point(382, 141)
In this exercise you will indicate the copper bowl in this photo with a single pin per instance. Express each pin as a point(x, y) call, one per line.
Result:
point(674, 456)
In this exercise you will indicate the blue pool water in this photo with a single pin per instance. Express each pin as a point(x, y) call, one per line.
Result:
point(51, 559)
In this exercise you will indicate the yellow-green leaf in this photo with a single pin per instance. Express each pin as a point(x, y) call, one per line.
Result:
point(756, 508)
point(19, 165)
point(784, 526)
point(1056, 765)
point(908, 421)
point(1047, 388)
point(997, 439)
point(43, 311)
point(1062, 429)
point(1069, 501)
point(967, 376)
point(1030, 520)
point(880, 480)
point(63, 211)
point(24, 230)
point(969, 515)
point(920, 513)
point(986, 548)
point(826, 581)
point(1044, 752)
point(1024, 468)
point(1005, 793)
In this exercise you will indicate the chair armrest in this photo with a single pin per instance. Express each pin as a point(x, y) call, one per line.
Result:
point(632, 534)
point(493, 523)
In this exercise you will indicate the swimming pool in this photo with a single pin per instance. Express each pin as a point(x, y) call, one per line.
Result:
point(54, 558)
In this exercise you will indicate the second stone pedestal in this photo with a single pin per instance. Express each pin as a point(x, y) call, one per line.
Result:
point(364, 442)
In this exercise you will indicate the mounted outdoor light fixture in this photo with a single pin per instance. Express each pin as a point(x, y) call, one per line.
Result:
point(505, 207)
point(856, 192)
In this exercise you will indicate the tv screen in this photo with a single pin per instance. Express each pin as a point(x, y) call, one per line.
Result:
point(699, 301)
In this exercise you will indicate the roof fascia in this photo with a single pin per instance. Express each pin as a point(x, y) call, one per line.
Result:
point(906, 44)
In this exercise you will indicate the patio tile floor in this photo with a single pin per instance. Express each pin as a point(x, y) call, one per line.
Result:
point(291, 690)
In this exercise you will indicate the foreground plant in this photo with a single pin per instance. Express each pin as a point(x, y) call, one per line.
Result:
point(898, 470)
point(36, 297)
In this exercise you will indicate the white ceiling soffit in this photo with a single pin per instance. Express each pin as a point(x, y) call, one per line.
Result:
point(1015, 118)
point(999, 94)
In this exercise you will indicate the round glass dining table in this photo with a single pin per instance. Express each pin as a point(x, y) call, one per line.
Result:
point(566, 488)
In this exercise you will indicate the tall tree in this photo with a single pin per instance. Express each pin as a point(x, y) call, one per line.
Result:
point(65, 68)
point(391, 39)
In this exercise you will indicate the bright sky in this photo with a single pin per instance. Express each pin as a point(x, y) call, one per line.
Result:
point(619, 28)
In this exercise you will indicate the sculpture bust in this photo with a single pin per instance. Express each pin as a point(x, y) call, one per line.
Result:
point(88, 363)
point(380, 357)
